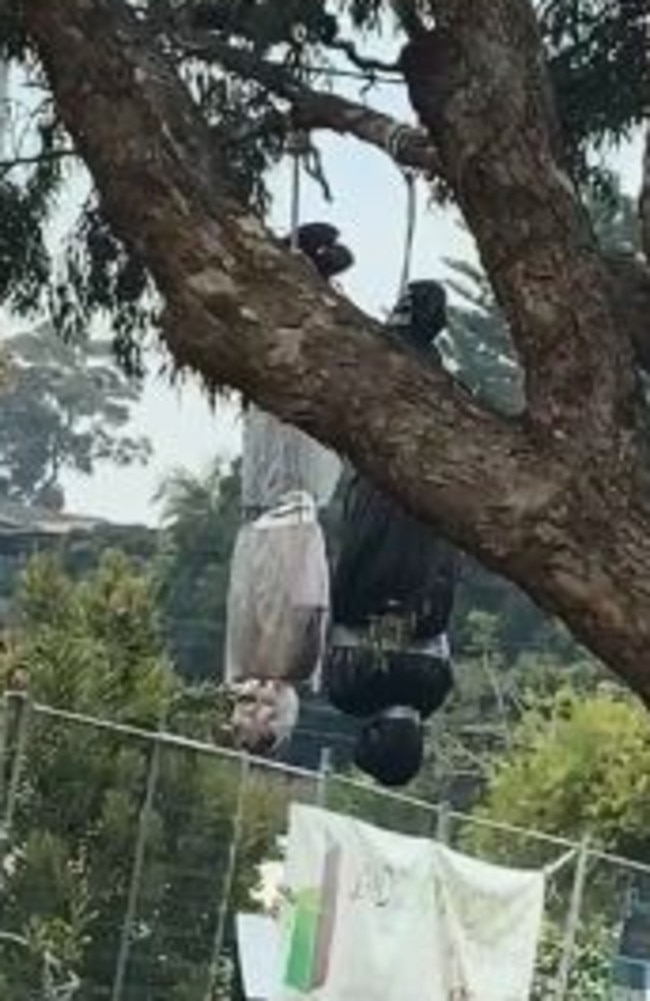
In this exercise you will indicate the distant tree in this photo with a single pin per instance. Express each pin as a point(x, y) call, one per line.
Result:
point(496, 687)
point(65, 408)
point(200, 521)
point(94, 647)
point(578, 765)
point(590, 976)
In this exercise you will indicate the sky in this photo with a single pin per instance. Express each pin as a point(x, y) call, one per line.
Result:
point(369, 208)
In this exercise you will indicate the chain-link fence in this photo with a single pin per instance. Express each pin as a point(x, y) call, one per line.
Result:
point(124, 855)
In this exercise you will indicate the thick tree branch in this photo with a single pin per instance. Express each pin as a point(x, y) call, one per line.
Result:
point(479, 84)
point(241, 310)
point(314, 109)
point(629, 280)
point(572, 529)
point(407, 146)
point(630, 291)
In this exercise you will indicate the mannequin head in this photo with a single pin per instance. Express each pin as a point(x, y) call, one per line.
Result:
point(264, 715)
point(390, 747)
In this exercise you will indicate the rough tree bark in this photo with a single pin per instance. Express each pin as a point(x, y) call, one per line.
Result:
point(559, 501)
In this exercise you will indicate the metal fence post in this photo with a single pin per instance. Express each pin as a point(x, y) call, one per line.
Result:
point(136, 872)
point(228, 882)
point(324, 771)
point(18, 760)
point(4, 728)
point(572, 921)
point(443, 824)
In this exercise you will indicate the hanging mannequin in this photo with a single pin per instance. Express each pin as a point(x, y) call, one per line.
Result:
point(392, 597)
point(278, 602)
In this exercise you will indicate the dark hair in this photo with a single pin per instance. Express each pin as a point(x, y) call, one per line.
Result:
point(390, 748)
point(420, 314)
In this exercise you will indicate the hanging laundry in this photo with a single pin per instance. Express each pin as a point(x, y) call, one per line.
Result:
point(379, 916)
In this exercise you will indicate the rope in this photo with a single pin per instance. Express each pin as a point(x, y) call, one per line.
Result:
point(411, 213)
point(295, 201)
point(298, 149)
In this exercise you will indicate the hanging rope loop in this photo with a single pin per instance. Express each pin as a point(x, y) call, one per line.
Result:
point(297, 143)
point(393, 143)
point(298, 147)
point(409, 239)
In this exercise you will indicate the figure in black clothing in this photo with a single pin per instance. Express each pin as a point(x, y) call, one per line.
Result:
point(392, 597)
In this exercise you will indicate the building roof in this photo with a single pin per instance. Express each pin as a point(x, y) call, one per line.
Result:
point(18, 519)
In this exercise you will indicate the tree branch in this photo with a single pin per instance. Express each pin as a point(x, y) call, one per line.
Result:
point(407, 146)
point(314, 109)
point(26, 161)
point(480, 85)
point(630, 292)
point(367, 64)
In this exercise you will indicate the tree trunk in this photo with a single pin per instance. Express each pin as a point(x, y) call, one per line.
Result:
point(557, 501)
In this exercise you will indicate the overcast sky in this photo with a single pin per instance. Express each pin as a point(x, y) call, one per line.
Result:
point(369, 208)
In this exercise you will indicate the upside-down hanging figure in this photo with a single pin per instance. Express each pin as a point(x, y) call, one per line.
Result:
point(388, 662)
point(279, 592)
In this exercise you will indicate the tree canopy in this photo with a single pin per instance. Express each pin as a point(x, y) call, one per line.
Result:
point(177, 108)
point(93, 646)
point(65, 408)
point(577, 766)
point(200, 520)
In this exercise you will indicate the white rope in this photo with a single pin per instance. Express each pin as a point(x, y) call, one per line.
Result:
point(411, 214)
point(295, 201)
point(297, 147)
point(393, 143)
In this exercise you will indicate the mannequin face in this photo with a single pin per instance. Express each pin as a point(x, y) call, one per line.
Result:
point(264, 716)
